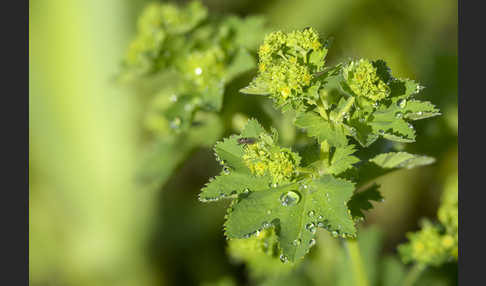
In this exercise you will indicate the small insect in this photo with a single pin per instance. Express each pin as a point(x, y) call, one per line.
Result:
point(246, 140)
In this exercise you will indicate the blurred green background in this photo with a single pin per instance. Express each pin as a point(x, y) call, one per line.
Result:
point(91, 224)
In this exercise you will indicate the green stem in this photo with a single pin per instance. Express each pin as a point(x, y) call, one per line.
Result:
point(357, 267)
point(345, 109)
point(413, 274)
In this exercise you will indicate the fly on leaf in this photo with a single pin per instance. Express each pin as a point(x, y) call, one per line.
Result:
point(247, 140)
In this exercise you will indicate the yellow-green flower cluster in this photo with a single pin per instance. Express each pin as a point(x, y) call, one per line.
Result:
point(202, 67)
point(362, 78)
point(158, 22)
point(285, 67)
point(436, 244)
point(429, 246)
point(448, 211)
point(265, 157)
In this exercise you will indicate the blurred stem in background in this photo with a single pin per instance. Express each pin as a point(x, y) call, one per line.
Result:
point(88, 223)
point(357, 266)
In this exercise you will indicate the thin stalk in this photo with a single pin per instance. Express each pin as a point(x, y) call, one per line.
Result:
point(413, 274)
point(357, 265)
point(345, 110)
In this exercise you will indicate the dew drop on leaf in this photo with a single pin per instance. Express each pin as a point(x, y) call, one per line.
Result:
point(296, 242)
point(399, 115)
point(226, 170)
point(176, 123)
point(311, 213)
point(290, 198)
point(283, 258)
point(311, 227)
point(402, 103)
point(334, 233)
point(312, 242)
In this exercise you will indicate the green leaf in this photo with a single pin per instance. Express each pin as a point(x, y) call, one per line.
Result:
point(254, 89)
point(242, 62)
point(416, 110)
point(318, 127)
point(236, 177)
point(260, 253)
point(235, 182)
point(230, 153)
point(361, 201)
point(212, 96)
point(296, 210)
point(249, 32)
point(386, 122)
point(342, 159)
point(403, 88)
point(401, 160)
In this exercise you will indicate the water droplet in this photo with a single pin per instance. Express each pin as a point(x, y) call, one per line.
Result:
point(334, 233)
point(321, 224)
point(410, 126)
point(188, 107)
point(173, 98)
point(198, 71)
point(343, 235)
point(402, 103)
point(375, 104)
point(283, 258)
point(290, 198)
point(381, 131)
point(319, 217)
point(399, 115)
point(420, 113)
point(176, 123)
point(311, 213)
point(311, 227)
point(226, 170)
point(312, 242)
point(269, 212)
point(296, 242)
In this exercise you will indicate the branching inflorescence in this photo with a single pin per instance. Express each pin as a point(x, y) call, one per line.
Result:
point(194, 54)
point(344, 109)
point(280, 197)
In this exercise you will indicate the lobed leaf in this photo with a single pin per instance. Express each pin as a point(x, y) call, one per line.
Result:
point(361, 201)
point(295, 210)
point(323, 130)
point(342, 159)
point(401, 160)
